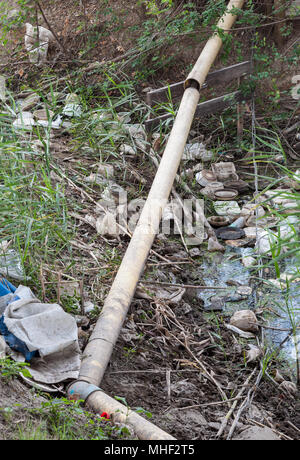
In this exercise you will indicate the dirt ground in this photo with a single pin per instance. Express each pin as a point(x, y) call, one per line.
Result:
point(175, 361)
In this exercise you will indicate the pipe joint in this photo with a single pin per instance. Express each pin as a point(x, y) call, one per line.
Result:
point(192, 83)
point(80, 389)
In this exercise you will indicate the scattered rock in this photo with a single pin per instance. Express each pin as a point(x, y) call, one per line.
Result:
point(240, 242)
point(88, 306)
point(28, 103)
point(69, 288)
point(244, 290)
point(188, 417)
point(217, 303)
point(210, 189)
point(247, 257)
point(106, 170)
point(244, 320)
point(294, 181)
point(194, 252)
point(265, 240)
point(256, 433)
point(286, 385)
point(24, 120)
point(43, 114)
point(214, 245)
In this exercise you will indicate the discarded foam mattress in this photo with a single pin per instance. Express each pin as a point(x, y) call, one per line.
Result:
point(43, 334)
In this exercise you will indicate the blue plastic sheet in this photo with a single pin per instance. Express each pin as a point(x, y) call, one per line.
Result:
point(6, 287)
point(12, 341)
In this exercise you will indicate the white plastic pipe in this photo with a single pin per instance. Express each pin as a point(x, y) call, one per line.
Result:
point(106, 332)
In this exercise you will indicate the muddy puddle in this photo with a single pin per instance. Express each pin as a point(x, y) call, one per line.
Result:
point(282, 305)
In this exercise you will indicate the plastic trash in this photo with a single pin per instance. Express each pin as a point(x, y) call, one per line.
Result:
point(205, 177)
point(7, 293)
point(2, 88)
point(43, 333)
point(218, 221)
point(11, 265)
point(227, 208)
point(72, 107)
point(238, 223)
point(25, 120)
point(197, 151)
point(210, 189)
point(37, 54)
point(230, 233)
point(225, 171)
point(43, 114)
point(225, 194)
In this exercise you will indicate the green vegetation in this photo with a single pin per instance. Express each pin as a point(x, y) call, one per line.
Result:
point(51, 192)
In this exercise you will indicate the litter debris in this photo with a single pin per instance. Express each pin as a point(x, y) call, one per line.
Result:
point(37, 36)
point(2, 88)
point(227, 208)
point(11, 265)
point(217, 303)
point(28, 103)
point(197, 151)
point(205, 177)
point(39, 333)
point(210, 189)
point(72, 106)
point(230, 233)
point(25, 120)
point(218, 221)
point(171, 294)
point(225, 194)
point(43, 114)
point(253, 354)
point(225, 171)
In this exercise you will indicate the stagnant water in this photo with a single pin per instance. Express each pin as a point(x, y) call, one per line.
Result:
point(281, 305)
